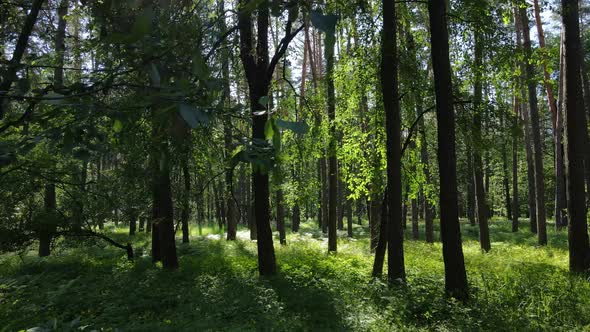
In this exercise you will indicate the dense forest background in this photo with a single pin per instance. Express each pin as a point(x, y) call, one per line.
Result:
point(294, 165)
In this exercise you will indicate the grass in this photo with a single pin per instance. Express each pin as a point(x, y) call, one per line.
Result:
point(86, 286)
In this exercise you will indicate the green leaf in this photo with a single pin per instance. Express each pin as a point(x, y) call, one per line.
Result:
point(192, 115)
point(324, 23)
point(117, 126)
point(268, 129)
point(251, 6)
point(263, 100)
point(142, 24)
point(297, 127)
point(200, 68)
point(53, 98)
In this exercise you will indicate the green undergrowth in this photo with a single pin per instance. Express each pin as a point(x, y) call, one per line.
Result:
point(88, 286)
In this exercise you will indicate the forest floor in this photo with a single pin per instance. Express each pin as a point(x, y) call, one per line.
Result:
point(88, 286)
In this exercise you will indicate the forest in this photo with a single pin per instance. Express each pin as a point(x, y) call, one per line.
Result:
point(294, 165)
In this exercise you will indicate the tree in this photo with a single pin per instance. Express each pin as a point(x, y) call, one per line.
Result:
point(389, 86)
point(455, 275)
point(577, 145)
point(259, 71)
point(535, 131)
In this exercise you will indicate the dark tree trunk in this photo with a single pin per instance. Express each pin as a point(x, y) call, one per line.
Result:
point(576, 141)
point(185, 214)
point(480, 192)
point(515, 204)
point(470, 188)
point(415, 224)
point(535, 133)
point(231, 216)
point(389, 85)
point(281, 217)
point(382, 242)
point(349, 220)
point(46, 230)
point(132, 224)
point(259, 71)
point(341, 203)
point(142, 224)
point(455, 275)
point(374, 221)
point(296, 220)
point(163, 227)
point(560, 189)
point(330, 43)
point(324, 203)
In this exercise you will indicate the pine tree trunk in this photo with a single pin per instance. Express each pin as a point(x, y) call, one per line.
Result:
point(480, 193)
point(455, 275)
point(576, 141)
point(515, 204)
point(185, 214)
point(535, 133)
point(389, 85)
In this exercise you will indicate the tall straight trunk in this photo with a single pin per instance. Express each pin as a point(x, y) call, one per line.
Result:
point(259, 70)
point(280, 208)
point(359, 212)
point(185, 214)
point(470, 188)
point(374, 221)
point(341, 202)
point(324, 203)
point(231, 215)
point(455, 275)
point(389, 85)
point(330, 42)
point(349, 220)
point(586, 93)
point(45, 233)
point(576, 141)
point(17, 55)
point(546, 75)
point(132, 223)
point(415, 224)
point(560, 189)
point(480, 193)
point(281, 217)
point(532, 201)
point(535, 133)
point(296, 218)
point(506, 175)
point(515, 205)
point(428, 207)
point(50, 202)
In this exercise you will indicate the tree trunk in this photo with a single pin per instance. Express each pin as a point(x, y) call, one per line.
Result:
point(296, 220)
point(515, 204)
point(455, 275)
point(185, 214)
point(330, 42)
point(324, 203)
point(560, 189)
point(535, 133)
point(389, 85)
point(132, 224)
point(470, 188)
point(480, 193)
point(281, 217)
point(382, 242)
point(576, 141)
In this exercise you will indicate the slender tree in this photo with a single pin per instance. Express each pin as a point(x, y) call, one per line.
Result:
point(455, 275)
point(389, 87)
point(576, 140)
